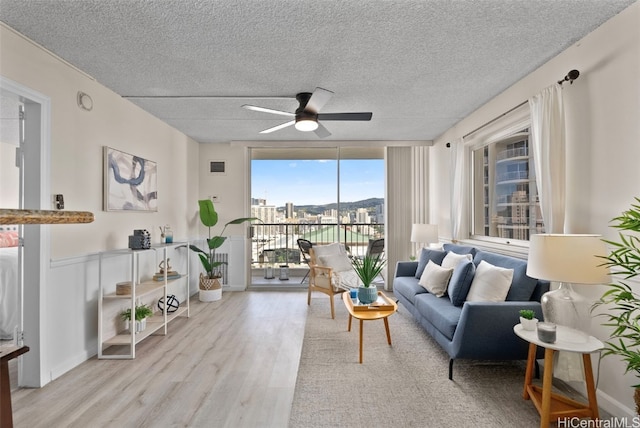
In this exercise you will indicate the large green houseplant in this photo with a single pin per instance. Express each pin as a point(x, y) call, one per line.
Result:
point(209, 281)
point(367, 269)
point(623, 303)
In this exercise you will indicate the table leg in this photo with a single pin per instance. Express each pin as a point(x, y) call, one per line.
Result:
point(386, 327)
point(528, 377)
point(547, 380)
point(591, 388)
point(349, 326)
point(6, 416)
point(361, 336)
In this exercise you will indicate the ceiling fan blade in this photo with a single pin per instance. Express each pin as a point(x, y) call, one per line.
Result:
point(318, 99)
point(267, 110)
point(277, 128)
point(345, 116)
point(321, 131)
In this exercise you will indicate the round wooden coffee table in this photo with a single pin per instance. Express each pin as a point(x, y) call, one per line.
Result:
point(381, 309)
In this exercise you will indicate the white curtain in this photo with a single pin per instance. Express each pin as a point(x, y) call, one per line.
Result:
point(458, 198)
point(548, 147)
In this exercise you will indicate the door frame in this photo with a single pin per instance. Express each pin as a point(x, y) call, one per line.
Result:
point(37, 250)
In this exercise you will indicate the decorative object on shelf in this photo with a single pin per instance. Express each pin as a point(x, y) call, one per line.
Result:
point(140, 240)
point(528, 319)
point(209, 218)
point(130, 182)
point(368, 268)
point(621, 302)
point(567, 259)
point(142, 312)
point(166, 234)
point(171, 274)
point(172, 304)
point(123, 288)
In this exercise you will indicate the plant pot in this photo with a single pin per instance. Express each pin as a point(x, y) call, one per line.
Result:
point(210, 289)
point(367, 295)
point(140, 325)
point(529, 324)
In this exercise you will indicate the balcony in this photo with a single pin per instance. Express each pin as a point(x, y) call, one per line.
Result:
point(274, 245)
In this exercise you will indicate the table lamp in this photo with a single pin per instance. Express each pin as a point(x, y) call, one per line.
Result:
point(424, 233)
point(567, 259)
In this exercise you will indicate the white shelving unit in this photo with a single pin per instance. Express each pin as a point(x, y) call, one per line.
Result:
point(142, 265)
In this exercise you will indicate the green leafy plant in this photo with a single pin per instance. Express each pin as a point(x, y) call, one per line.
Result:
point(141, 312)
point(527, 314)
point(368, 268)
point(623, 304)
point(209, 218)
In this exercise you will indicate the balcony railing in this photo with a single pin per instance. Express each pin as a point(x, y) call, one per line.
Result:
point(278, 243)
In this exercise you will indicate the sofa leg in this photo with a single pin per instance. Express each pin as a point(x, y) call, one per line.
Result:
point(451, 369)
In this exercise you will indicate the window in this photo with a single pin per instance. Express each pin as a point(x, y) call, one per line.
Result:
point(504, 195)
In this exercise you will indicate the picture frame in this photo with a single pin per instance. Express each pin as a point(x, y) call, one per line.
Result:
point(130, 182)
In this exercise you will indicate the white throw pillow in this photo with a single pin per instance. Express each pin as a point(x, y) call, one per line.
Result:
point(327, 250)
point(435, 279)
point(490, 283)
point(452, 259)
point(337, 262)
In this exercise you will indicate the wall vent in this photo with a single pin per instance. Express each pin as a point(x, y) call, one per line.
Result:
point(217, 167)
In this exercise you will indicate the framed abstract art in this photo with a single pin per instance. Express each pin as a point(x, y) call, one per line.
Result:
point(130, 182)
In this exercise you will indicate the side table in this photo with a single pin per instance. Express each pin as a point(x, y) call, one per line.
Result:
point(7, 353)
point(552, 406)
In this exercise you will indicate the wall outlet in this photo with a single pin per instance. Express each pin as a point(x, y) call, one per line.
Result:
point(58, 202)
point(215, 199)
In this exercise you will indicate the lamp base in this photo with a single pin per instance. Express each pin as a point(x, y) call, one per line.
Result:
point(564, 306)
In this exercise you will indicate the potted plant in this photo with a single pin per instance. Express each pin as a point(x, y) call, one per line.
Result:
point(209, 284)
point(623, 304)
point(142, 312)
point(528, 319)
point(367, 269)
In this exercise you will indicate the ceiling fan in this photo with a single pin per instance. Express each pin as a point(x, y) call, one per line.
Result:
point(307, 116)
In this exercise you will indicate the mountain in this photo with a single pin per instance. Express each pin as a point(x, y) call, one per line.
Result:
point(368, 204)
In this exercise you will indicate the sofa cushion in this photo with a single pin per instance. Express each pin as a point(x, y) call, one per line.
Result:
point(460, 282)
point(427, 254)
point(408, 287)
point(435, 278)
point(460, 249)
point(338, 262)
point(522, 286)
point(490, 283)
point(439, 312)
point(452, 259)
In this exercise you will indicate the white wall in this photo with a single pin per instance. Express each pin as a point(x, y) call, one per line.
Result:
point(76, 165)
point(603, 131)
point(8, 176)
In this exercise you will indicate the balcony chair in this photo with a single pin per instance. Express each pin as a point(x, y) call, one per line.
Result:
point(305, 245)
point(375, 248)
point(331, 272)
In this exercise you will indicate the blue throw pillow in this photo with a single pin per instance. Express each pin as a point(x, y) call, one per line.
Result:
point(460, 282)
point(427, 254)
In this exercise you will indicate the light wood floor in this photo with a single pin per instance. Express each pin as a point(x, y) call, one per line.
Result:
point(232, 364)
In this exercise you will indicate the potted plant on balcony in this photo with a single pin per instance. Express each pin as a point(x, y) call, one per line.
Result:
point(209, 285)
point(623, 303)
point(367, 269)
point(142, 312)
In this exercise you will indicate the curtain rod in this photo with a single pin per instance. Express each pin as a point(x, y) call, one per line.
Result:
point(570, 77)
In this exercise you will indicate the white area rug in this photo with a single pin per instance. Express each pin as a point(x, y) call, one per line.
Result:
point(403, 385)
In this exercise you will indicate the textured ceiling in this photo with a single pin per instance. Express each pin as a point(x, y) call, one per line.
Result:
point(419, 65)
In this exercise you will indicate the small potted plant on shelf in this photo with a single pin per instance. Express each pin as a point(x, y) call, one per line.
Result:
point(142, 312)
point(622, 303)
point(528, 319)
point(209, 284)
point(367, 269)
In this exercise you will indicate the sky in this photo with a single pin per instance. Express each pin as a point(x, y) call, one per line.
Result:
point(309, 182)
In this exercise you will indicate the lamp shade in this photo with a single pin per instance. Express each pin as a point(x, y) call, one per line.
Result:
point(424, 233)
point(567, 258)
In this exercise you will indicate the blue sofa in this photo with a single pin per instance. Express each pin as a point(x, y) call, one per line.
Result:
point(470, 329)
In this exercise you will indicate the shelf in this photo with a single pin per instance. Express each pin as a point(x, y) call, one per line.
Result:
point(124, 338)
point(144, 288)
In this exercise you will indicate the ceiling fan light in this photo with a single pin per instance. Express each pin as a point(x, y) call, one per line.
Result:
point(306, 125)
